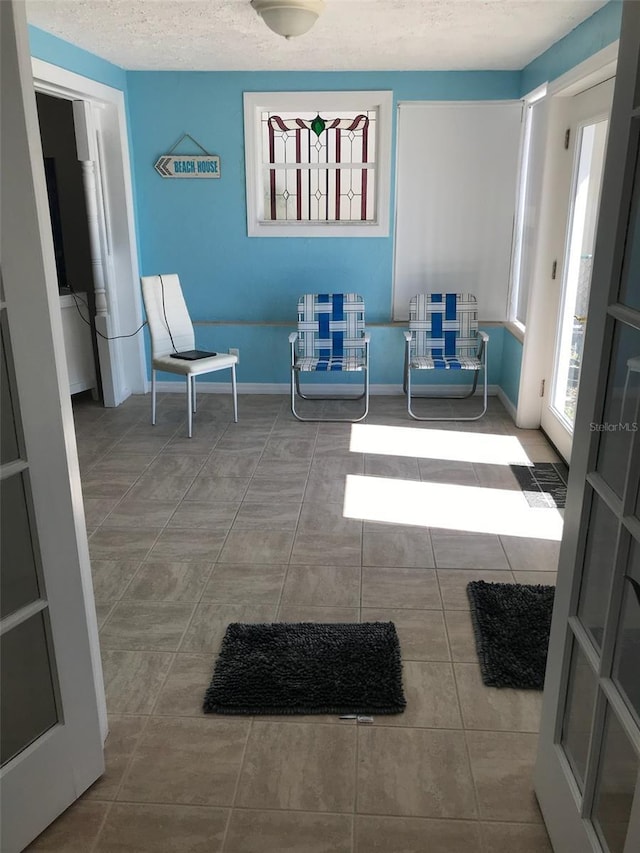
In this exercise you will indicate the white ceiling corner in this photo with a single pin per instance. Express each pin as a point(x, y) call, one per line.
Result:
point(350, 35)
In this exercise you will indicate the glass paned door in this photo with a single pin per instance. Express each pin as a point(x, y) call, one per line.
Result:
point(577, 149)
point(587, 776)
point(578, 263)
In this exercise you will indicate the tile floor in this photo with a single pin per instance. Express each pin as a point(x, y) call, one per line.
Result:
point(246, 522)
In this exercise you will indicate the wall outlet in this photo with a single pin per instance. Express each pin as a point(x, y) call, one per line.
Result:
point(235, 352)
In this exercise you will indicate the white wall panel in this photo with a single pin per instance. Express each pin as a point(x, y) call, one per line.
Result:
point(456, 192)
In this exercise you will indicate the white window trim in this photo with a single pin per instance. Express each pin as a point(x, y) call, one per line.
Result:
point(257, 102)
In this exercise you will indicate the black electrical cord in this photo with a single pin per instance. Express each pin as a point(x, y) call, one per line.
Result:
point(164, 311)
point(77, 298)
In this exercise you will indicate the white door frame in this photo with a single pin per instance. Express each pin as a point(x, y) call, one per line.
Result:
point(43, 779)
point(593, 70)
point(124, 359)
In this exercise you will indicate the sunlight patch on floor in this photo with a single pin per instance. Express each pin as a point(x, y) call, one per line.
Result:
point(473, 509)
point(438, 444)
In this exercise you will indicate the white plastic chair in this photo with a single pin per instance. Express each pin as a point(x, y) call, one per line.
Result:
point(171, 331)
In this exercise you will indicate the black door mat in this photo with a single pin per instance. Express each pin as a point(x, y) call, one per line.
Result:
point(511, 623)
point(308, 668)
point(544, 484)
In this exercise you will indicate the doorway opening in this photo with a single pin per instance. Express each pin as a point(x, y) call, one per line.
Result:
point(70, 231)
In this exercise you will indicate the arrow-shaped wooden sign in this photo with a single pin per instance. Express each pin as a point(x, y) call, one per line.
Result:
point(188, 166)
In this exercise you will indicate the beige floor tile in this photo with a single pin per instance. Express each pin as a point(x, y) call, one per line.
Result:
point(459, 550)
point(229, 463)
point(244, 583)
point(97, 509)
point(305, 613)
point(288, 832)
point(304, 766)
point(208, 487)
point(323, 487)
point(166, 828)
point(430, 691)
point(124, 732)
point(296, 469)
point(177, 544)
point(210, 621)
point(398, 467)
point(287, 448)
point(183, 692)
point(133, 680)
point(496, 476)
point(502, 764)
point(495, 709)
point(343, 549)
point(416, 835)
point(186, 760)
point(161, 580)
point(110, 577)
point(103, 609)
point(146, 625)
point(404, 588)
point(275, 489)
point(257, 546)
point(267, 516)
point(326, 518)
point(115, 486)
point(75, 831)
point(389, 546)
point(447, 471)
point(135, 512)
point(250, 439)
point(461, 637)
point(515, 838)
point(453, 584)
point(531, 555)
point(324, 586)
point(117, 462)
point(112, 544)
point(414, 772)
point(337, 464)
point(422, 633)
point(216, 517)
point(544, 578)
point(167, 487)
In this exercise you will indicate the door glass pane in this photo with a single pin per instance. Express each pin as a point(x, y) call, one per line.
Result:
point(620, 418)
point(18, 577)
point(629, 291)
point(576, 727)
point(28, 698)
point(615, 786)
point(598, 569)
point(577, 278)
point(8, 438)
point(626, 668)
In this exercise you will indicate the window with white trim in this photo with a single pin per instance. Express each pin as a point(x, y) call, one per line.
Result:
point(318, 163)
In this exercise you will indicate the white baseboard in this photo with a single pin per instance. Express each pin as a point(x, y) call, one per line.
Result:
point(506, 402)
point(334, 390)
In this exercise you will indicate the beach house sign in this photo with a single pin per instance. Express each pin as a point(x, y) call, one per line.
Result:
point(173, 165)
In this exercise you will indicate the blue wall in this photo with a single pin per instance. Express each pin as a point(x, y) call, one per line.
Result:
point(242, 291)
point(511, 363)
point(59, 52)
point(199, 227)
point(601, 29)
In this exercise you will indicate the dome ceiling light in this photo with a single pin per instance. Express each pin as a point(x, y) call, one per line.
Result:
point(289, 18)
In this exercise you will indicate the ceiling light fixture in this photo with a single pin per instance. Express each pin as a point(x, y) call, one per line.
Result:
point(289, 18)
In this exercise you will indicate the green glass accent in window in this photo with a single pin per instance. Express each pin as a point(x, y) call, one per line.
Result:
point(318, 125)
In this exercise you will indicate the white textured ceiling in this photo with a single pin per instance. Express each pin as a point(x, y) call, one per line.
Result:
point(350, 35)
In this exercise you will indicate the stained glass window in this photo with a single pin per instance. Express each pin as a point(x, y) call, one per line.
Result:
point(318, 163)
point(319, 167)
